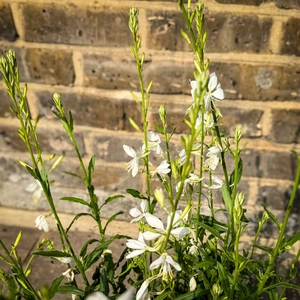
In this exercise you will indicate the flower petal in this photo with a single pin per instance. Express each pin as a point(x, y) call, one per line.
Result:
point(213, 81)
point(180, 232)
point(157, 262)
point(129, 151)
point(96, 296)
point(135, 253)
point(143, 291)
point(150, 236)
point(154, 221)
point(172, 262)
point(135, 212)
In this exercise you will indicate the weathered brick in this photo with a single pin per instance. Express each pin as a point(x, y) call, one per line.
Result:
point(169, 76)
point(164, 30)
point(277, 197)
point(287, 4)
point(269, 164)
point(110, 71)
point(291, 37)
point(249, 119)
point(78, 25)
point(7, 25)
point(4, 105)
point(264, 82)
point(175, 117)
point(50, 66)
point(107, 177)
point(237, 33)
point(51, 141)
point(94, 110)
point(285, 126)
point(110, 148)
point(242, 2)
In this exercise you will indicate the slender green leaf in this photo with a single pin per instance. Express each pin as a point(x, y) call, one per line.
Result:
point(17, 241)
point(264, 248)
point(85, 246)
point(76, 200)
point(282, 284)
point(70, 289)
point(271, 216)
point(73, 174)
point(226, 198)
point(112, 218)
point(193, 295)
point(56, 163)
point(55, 285)
point(135, 194)
point(295, 238)
point(71, 121)
point(134, 125)
point(112, 198)
point(211, 230)
point(224, 279)
point(91, 168)
point(53, 253)
point(77, 217)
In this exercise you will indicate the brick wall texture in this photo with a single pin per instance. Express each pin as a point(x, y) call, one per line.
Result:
point(81, 50)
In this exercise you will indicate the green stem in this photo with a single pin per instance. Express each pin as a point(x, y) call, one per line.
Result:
point(281, 233)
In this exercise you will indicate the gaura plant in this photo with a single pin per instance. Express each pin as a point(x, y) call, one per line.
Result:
point(190, 252)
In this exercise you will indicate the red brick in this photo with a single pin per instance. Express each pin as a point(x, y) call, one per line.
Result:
point(50, 66)
point(111, 71)
point(94, 110)
point(291, 37)
point(237, 33)
point(76, 25)
point(7, 26)
point(285, 126)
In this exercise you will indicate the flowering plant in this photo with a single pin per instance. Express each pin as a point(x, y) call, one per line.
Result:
point(193, 251)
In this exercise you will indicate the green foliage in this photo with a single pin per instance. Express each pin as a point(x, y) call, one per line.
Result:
point(196, 255)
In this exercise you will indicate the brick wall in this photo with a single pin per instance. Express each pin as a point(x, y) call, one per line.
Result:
point(81, 50)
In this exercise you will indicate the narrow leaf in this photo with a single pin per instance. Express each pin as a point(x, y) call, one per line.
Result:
point(295, 238)
point(91, 168)
point(112, 218)
point(56, 163)
point(77, 217)
point(85, 246)
point(271, 216)
point(69, 289)
point(53, 253)
point(76, 200)
point(134, 125)
point(112, 198)
point(54, 286)
point(226, 198)
point(224, 279)
point(135, 194)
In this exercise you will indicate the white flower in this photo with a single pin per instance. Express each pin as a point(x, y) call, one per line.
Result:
point(162, 169)
point(213, 158)
point(69, 274)
point(133, 165)
point(215, 91)
point(193, 179)
point(142, 293)
point(36, 189)
point(137, 214)
point(208, 120)
point(41, 223)
point(165, 262)
point(182, 153)
point(99, 296)
point(65, 260)
point(177, 232)
point(216, 183)
point(154, 142)
point(192, 284)
point(138, 245)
